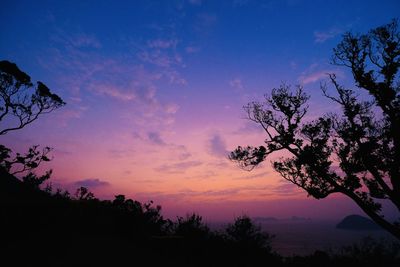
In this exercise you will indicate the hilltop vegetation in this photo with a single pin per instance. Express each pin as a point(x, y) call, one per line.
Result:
point(46, 228)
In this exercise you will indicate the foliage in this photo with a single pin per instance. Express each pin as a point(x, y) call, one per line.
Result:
point(246, 234)
point(22, 103)
point(124, 231)
point(356, 152)
point(191, 226)
point(21, 100)
point(82, 193)
point(369, 250)
point(23, 163)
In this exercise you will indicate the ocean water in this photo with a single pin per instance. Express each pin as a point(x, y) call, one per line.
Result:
point(303, 238)
point(306, 236)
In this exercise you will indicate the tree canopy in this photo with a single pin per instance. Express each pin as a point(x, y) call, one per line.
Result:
point(22, 102)
point(355, 152)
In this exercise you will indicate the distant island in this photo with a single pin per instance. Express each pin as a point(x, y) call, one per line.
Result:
point(274, 219)
point(357, 222)
point(265, 219)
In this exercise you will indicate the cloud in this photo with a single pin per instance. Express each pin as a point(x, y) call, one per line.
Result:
point(314, 77)
point(176, 151)
point(161, 53)
point(179, 167)
point(156, 139)
point(196, 2)
point(321, 37)
point(286, 188)
point(207, 19)
point(70, 112)
point(204, 22)
point(202, 175)
point(236, 84)
point(240, 3)
point(192, 49)
point(181, 152)
point(255, 176)
point(112, 91)
point(76, 40)
point(163, 44)
point(171, 108)
point(217, 146)
point(128, 78)
point(83, 40)
point(249, 127)
point(122, 153)
point(91, 182)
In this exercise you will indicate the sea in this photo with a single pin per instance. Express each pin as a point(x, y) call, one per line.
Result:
point(304, 237)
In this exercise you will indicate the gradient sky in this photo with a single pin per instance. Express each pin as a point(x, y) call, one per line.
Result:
point(155, 90)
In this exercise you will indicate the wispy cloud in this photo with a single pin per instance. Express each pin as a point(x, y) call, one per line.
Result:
point(196, 2)
point(202, 175)
point(249, 127)
point(239, 3)
point(217, 146)
point(91, 182)
point(236, 84)
point(122, 152)
point(111, 91)
point(204, 22)
point(286, 188)
point(77, 40)
point(133, 77)
point(323, 36)
point(156, 58)
point(318, 76)
point(156, 139)
point(83, 40)
point(260, 175)
point(179, 167)
point(171, 108)
point(163, 43)
point(192, 49)
point(181, 151)
point(316, 72)
point(313, 77)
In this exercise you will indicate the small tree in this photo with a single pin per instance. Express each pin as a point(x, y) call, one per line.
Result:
point(357, 152)
point(245, 233)
point(191, 227)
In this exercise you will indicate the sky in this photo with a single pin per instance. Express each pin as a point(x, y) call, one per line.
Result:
point(155, 90)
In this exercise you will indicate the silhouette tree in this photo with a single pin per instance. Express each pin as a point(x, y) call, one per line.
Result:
point(22, 100)
point(356, 152)
point(82, 193)
point(191, 227)
point(21, 103)
point(245, 233)
point(23, 163)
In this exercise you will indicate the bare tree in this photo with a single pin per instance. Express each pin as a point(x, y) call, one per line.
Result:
point(21, 102)
point(356, 152)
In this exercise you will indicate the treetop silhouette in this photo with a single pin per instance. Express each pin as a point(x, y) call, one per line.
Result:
point(356, 152)
point(21, 99)
point(21, 103)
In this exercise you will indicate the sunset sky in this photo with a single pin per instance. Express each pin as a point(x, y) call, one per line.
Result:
point(155, 90)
